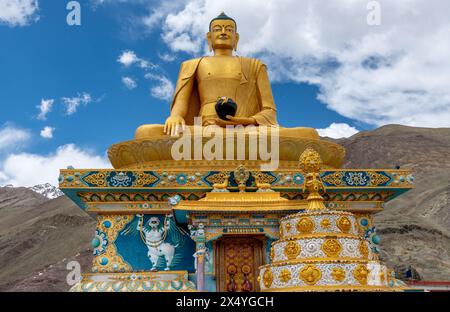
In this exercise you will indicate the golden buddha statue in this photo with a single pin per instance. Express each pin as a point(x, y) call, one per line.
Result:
point(201, 82)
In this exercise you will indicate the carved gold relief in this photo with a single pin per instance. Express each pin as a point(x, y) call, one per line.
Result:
point(334, 179)
point(325, 223)
point(338, 274)
point(288, 227)
point(145, 179)
point(223, 185)
point(310, 274)
point(360, 274)
point(363, 249)
point(331, 247)
point(382, 276)
point(305, 225)
point(263, 178)
point(267, 278)
point(378, 179)
point(292, 250)
point(310, 160)
point(114, 261)
point(344, 224)
point(217, 178)
point(285, 275)
point(97, 179)
point(272, 254)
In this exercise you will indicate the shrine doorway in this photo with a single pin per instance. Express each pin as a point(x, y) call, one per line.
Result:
point(237, 262)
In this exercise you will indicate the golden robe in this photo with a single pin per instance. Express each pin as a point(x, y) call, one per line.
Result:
point(253, 97)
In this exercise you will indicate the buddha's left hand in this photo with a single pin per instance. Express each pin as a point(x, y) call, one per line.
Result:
point(245, 121)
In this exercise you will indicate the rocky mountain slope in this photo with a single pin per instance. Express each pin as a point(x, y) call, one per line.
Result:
point(415, 227)
point(39, 236)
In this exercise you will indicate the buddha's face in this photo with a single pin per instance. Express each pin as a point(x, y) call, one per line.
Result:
point(223, 35)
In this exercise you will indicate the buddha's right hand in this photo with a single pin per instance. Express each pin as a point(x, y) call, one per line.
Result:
point(173, 125)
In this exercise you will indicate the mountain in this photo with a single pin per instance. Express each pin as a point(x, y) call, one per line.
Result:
point(47, 190)
point(39, 236)
point(415, 227)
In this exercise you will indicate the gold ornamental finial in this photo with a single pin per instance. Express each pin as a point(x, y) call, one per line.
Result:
point(241, 176)
point(310, 165)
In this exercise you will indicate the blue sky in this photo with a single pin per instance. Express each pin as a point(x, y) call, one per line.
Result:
point(51, 60)
point(43, 58)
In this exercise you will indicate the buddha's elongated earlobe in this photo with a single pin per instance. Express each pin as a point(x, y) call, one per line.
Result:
point(236, 42)
point(208, 38)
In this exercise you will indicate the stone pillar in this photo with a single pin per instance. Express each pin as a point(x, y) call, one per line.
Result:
point(198, 235)
point(200, 265)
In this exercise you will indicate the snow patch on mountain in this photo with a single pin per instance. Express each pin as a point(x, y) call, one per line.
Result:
point(47, 190)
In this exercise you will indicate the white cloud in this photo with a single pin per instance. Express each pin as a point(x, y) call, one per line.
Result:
point(129, 82)
point(158, 14)
point(31, 169)
point(73, 102)
point(397, 72)
point(47, 132)
point(128, 58)
point(154, 18)
point(12, 137)
point(18, 12)
point(166, 57)
point(164, 90)
point(337, 131)
point(44, 108)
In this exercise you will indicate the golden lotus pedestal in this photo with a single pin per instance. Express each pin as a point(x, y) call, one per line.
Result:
point(241, 148)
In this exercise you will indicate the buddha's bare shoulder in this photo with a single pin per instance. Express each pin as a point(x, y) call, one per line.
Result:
point(251, 60)
point(191, 62)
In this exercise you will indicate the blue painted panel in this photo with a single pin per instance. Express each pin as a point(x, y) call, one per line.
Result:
point(130, 244)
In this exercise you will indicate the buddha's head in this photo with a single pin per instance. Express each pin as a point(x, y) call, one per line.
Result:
point(222, 33)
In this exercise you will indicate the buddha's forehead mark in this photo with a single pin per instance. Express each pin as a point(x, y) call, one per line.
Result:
point(228, 25)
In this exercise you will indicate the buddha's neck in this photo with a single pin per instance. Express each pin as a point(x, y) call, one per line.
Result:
point(223, 52)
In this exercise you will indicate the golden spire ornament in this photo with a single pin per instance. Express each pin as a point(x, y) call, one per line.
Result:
point(310, 164)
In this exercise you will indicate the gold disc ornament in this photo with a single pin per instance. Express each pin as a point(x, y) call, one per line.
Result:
point(338, 274)
point(310, 274)
point(361, 273)
point(305, 225)
point(344, 224)
point(325, 223)
point(285, 275)
point(331, 247)
point(292, 250)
